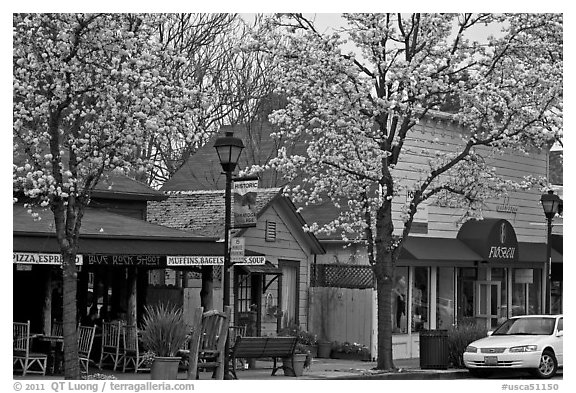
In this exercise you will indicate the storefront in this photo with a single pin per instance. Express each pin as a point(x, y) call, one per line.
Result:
point(114, 257)
point(483, 276)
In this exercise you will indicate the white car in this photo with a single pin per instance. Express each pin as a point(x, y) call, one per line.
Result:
point(532, 342)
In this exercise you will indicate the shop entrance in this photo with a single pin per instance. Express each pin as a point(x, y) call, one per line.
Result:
point(488, 303)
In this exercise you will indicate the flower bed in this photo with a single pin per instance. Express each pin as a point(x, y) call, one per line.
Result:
point(350, 351)
point(351, 356)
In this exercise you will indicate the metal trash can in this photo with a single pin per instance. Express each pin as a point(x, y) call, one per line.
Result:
point(434, 349)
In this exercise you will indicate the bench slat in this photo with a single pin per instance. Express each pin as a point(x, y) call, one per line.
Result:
point(260, 347)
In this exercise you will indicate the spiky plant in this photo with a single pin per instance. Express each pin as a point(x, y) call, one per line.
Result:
point(164, 330)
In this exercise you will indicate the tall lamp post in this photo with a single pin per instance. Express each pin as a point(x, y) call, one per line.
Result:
point(551, 204)
point(228, 148)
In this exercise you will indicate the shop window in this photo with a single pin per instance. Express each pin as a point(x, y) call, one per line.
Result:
point(445, 298)
point(244, 294)
point(420, 297)
point(526, 291)
point(499, 275)
point(399, 301)
point(535, 294)
point(465, 304)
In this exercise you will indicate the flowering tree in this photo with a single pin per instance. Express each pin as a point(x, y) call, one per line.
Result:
point(358, 111)
point(88, 92)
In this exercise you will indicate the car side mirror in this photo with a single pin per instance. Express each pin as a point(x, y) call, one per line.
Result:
point(489, 332)
point(560, 333)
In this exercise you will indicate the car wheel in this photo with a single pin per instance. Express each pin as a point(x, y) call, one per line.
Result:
point(548, 365)
point(479, 373)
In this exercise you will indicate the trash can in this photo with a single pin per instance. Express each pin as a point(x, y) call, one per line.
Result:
point(434, 349)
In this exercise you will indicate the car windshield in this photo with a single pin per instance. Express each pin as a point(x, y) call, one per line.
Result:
point(526, 326)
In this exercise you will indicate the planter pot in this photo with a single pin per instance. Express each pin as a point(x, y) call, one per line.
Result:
point(324, 349)
point(294, 366)
point(164, 368)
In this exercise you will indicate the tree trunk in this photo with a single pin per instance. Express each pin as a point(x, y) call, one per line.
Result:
point(69, 279)
point(384, 317)
point(47, 306)
point(384, 272)
point(131, 317)
point(206, 293)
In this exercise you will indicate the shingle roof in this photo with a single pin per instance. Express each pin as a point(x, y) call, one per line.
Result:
point(200, 211)
point(97, 223)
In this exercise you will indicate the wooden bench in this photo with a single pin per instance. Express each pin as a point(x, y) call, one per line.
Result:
point(263, 347)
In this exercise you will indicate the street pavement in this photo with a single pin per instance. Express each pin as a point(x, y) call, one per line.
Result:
point(321, 369)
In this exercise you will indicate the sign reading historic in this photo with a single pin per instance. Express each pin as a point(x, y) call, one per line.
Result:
point(210, 260)
point(30, 258)
point(244, 192)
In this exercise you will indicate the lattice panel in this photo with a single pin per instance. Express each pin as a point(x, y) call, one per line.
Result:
point(342, 276)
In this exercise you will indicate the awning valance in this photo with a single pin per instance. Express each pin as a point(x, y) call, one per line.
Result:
point(435, 248)
point(536, 252)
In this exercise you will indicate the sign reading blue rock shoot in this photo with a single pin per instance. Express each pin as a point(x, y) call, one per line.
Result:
point(245, 192)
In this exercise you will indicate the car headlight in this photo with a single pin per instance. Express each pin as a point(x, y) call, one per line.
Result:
point(472, 349)
point(524, 348)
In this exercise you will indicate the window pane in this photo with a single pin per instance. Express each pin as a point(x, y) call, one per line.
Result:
point(420, 299)
point(445, 298)
point(399, 298)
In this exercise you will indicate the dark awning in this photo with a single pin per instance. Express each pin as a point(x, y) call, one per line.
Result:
point(557, 242)
point(494, 239)
point(536, 252)
point(267, 269)
point(436, 248)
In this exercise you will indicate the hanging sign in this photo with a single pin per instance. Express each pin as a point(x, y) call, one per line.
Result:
point(244, 192)
point(30, 258)
point(237, 250)
point(210, 261)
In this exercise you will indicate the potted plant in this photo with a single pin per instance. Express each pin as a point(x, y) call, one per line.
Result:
point(164, 335)
point(307, 340)
point(295, 366)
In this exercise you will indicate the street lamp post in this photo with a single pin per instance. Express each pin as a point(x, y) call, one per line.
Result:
point(550, 203)
point(228, 148)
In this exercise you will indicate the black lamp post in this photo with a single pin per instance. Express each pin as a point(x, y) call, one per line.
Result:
point(228, 148)
point(551, 204)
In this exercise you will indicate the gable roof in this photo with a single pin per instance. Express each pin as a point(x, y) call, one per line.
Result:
point(202, 170)
point(199, 211)
point(203, 212)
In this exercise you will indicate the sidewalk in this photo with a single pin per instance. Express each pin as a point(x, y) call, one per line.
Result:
point(321, 369)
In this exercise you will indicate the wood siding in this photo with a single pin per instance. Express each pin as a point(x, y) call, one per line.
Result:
point(288, 246)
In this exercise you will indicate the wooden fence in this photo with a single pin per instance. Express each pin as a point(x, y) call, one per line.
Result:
point(341, 314)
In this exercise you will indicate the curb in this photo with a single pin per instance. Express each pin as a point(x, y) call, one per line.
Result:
point(409, 374)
